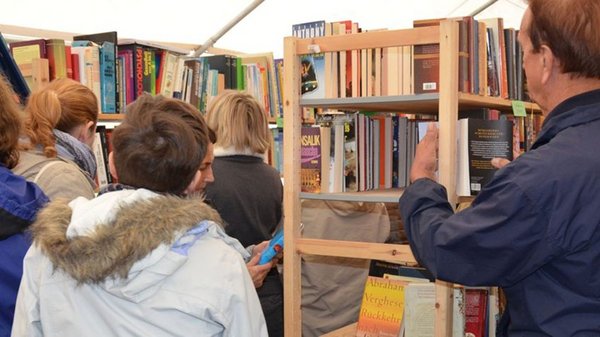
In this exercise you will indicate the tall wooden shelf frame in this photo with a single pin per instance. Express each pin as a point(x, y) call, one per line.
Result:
point(445, 104)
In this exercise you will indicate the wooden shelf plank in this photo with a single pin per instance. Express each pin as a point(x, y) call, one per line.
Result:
point(347, 331)
point(360, 250)
point(111, 117)
point(388, 195)
point(421, 103)
point(369, 40)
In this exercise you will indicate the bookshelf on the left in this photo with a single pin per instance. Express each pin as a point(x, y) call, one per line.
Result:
point(153, 53)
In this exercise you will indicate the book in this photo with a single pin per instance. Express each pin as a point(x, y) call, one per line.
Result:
point(57, 58)
point(419, 312)
point(89, 66)
point(458, 312)
point(224, 65)
point(134, 54)
point(310, 160)
point(382, 308)
point(10, 69)
point(24, 53)
point(475, 311)
point(100, 149)
point(108, 64)
point(410, 273)
point(264, 69)
point(312, 65)
point(479, 141)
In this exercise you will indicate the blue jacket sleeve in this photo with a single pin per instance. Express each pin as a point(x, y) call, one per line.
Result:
point(499, 240)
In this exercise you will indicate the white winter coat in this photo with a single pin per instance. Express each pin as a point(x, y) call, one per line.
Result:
point(135, 263)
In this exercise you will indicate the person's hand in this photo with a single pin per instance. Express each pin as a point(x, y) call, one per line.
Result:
point(425, 161)
point(258, 272)
point(500, 162)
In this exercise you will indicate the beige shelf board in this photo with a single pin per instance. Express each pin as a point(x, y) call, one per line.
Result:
point(505, 105)
point(369, 40)
point(396, 253)
point(421, 103)
point(347, 331)
point(388, 195)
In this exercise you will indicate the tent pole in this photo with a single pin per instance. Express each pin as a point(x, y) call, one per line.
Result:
point(483, 7)
point(204, 47)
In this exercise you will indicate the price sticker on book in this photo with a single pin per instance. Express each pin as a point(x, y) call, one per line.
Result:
point(519, 109)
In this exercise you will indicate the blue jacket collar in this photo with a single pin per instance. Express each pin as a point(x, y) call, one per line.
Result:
point(579, 109)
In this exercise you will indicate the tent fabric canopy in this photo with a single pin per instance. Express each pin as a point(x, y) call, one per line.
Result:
point(195, 21)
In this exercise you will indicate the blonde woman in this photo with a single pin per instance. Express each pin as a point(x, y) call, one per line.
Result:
point(246, 191)
point(59, 127)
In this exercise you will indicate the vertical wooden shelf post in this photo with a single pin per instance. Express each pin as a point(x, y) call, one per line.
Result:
point(291, 187)
point(448, 114)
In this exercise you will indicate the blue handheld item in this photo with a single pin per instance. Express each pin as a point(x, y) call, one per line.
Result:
point(274, 247)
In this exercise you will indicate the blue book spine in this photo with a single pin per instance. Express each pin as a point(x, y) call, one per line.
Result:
point(108, 78)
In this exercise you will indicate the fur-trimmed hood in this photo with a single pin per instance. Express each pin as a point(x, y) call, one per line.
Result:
point(108, 238)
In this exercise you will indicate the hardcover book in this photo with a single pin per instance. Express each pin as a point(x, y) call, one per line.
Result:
point(479, 141)
point(382, 308)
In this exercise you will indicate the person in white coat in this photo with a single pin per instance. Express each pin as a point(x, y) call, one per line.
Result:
point(147, 257)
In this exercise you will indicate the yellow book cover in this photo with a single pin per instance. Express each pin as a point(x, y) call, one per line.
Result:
point(382, 308)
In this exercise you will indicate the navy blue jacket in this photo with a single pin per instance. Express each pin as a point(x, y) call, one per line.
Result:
point(534, 230)
point(20, 201)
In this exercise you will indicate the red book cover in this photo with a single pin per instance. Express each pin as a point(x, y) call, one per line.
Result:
point(475, 311)
point(69, 60)
point(75, 67)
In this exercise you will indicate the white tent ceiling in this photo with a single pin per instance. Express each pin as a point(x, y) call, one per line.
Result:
point(195, 21)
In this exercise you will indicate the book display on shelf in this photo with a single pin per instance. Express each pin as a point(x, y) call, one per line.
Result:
point(442, 106)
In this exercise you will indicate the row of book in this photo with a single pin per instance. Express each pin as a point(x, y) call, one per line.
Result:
point(361, 152)
point(490, 63)
point(358, 152)
point(400, 301)
point(118, 71)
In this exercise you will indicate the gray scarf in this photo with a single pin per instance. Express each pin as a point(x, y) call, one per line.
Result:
point(69, 147)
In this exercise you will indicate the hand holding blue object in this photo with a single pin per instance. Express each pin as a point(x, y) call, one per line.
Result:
point(275, 246)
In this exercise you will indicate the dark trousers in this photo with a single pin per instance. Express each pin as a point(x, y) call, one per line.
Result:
point(271, 300)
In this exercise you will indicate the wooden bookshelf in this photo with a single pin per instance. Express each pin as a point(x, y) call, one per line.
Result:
point(445, 104)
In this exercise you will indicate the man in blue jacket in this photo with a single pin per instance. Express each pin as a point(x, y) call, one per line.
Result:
point(19, 202)
point(534, 230)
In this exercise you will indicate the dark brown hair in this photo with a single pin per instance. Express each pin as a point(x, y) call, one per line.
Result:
point(570, 29)
point(160, 144)
point(10, 124)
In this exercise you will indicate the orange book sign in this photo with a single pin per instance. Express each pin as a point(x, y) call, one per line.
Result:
point(382, 308)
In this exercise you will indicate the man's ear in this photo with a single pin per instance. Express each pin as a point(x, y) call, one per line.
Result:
point(111, 166)
point(550, 64)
